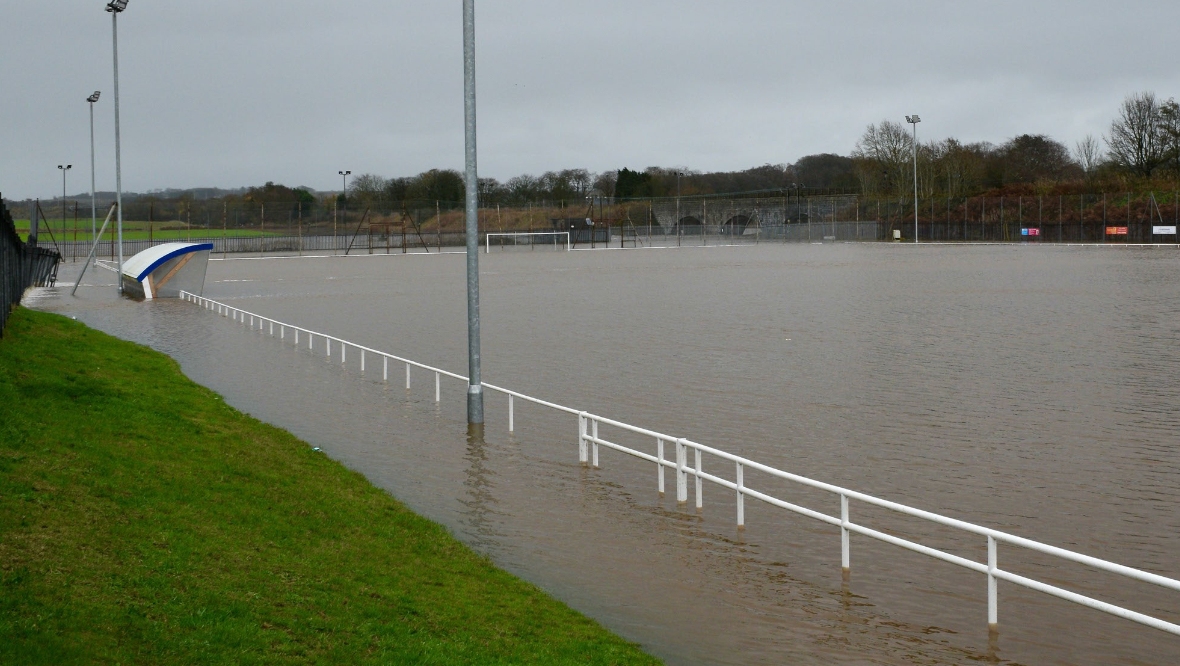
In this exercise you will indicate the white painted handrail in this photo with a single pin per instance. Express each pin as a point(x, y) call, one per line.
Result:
point(589, 441)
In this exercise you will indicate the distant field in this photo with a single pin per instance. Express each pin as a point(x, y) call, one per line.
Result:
point(139, 231)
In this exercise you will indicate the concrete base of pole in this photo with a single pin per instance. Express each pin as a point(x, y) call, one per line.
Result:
point(475, 406)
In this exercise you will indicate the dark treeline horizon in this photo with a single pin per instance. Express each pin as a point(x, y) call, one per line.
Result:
point(1140, 152)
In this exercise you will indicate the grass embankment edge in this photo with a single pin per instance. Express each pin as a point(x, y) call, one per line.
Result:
point(143, 520)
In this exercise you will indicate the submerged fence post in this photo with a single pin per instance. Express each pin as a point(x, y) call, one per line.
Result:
point(582, 455)
point(993, 611)
point(511, 414)
point(681, 476)
point(660, 464)
point(437, 387)
point(594, 443)
point(385, 369)
point(845, 546)
point(699, 483)
point(362, 361)
point(407, 376)
point(741, 495)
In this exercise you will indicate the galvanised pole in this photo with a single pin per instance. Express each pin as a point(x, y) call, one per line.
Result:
point(118, 155)
point(475, 382)
point(64, 169)
point(93, 207)
point(915, 124)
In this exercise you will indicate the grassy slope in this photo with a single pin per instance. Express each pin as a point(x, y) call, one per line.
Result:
point(144, 521)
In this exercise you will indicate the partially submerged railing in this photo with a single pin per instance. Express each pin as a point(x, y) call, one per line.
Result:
point(589, 441)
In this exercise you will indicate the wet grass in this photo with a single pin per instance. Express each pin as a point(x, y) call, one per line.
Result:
point(142, 520)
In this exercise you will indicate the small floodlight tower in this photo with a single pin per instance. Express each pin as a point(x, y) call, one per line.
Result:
point(93, 209)
point(64, 169)
point(914, 120)
point(116, 7)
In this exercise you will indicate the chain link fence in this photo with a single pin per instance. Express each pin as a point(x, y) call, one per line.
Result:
point(431, 226)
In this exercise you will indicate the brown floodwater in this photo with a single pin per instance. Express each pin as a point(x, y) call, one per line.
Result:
point(1028, 388)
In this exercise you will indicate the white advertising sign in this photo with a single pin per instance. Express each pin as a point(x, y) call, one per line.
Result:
point(1164, 231)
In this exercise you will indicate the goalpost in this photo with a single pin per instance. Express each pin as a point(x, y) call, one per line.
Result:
point(529, 238)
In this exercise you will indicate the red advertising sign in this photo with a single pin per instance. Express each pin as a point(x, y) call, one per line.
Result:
point(1116, 231)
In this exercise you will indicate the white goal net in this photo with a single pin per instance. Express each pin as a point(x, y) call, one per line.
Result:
point(556, 240)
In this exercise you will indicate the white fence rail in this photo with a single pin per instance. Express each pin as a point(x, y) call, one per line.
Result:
point(589, 441)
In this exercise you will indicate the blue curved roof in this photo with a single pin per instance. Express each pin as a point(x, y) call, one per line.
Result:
point(142, 264)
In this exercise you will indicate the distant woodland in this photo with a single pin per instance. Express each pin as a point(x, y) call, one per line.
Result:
point(1140, 152)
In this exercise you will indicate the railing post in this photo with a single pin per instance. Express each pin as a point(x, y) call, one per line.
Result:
point(511, 414)
point(343, 351)
point(437, 393)
point(407, 376)
point(660, 464)
point(741, 495)
point(993, 610)
point(582, 455)
point(681, 476)
point(594, 433)
point(327, 345)
point(296, 337)
point(272, 328)
point(699, 483)
point(362, 361)
point(282, 332)
point(845, 546)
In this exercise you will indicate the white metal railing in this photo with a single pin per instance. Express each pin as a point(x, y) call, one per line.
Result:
point(516, 234)
point(589, 441)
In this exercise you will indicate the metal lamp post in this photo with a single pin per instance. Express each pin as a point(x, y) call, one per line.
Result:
point(678, 229)
point(471, 177)
point(914, 120)
point(343, 193)
point(64, 169)
point(116, 7)
point(93, 207)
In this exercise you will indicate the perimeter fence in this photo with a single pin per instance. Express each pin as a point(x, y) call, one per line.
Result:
point(424, 226)
point(22, 265)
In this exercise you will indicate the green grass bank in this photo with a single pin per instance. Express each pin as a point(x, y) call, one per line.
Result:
point(142, 520)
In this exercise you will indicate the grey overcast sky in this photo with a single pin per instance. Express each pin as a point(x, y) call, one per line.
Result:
point(226, 94)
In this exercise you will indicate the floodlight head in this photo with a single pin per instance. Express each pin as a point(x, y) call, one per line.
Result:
point(116, 6)
point(344, 173)
point(913, 120)
point(66, 167)
point(93, 98)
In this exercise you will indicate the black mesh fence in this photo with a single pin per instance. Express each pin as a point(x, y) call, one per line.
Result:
point(22, 265)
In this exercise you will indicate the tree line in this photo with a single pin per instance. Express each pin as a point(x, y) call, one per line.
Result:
point(1139, 152)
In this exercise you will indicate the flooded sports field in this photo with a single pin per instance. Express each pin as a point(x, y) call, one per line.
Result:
point(1030, 389)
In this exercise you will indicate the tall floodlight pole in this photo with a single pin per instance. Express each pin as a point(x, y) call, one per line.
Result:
point(116, 7)
point(344, 209)
point(64, 169)
point(914, 120)
point(475, 381)
point(93, 208)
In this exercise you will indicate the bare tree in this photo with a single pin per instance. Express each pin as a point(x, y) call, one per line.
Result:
point(1170, 128)
point(1088, 153)
point(883, 155)
point(1136, 142)
point(366, 189)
